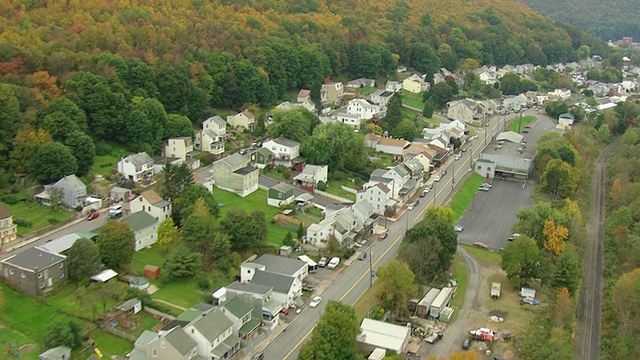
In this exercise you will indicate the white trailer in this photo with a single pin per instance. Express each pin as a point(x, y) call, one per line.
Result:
point(440, 302)
point(496, 288)
point(313, 266)
point(424, 305)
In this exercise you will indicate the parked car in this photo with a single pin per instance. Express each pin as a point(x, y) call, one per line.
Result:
point(466, 344)
point(528, 127)
point(258, 357)
point(458, 228)
point(93, 215)
point(315, 302)
point(487, 185)
point(333, 263)
point(444, 172)
point(284, 311)
point(480, 245)
point(243, 151)
point(437, 178)
point(384, 235)
point(308, 288)
point(483, 188)
point(457, 157)
point(363, 255)
point(525, 131)
point(323, 262)
point(513, 236)
point(423, 194)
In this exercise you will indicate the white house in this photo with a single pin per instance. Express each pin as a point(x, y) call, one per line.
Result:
point(284, 150)
point(182, 148)
point(380, 334)
point(212, 135)
point(562, 94)
point(137, 167)
point(311, 175)
point(353, 120)
point(393, 86)
point(153, 204)
point(363, 108)
point(283, 275)
point(71, 189)
point(214, 335)
point(332, 93)
point(144, 227)
point(243, 119)
point(341, 224)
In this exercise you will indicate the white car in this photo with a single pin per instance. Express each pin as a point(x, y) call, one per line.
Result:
point(437, 178)
point(315, 302)
point(458, 228)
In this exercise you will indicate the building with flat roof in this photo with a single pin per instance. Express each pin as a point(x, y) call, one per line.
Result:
point(34, 270)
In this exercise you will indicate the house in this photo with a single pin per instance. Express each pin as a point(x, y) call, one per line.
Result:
point(182, 148)
point(70, 189)
point(263, 295)
point(170, 344)
point(394, 147)
point(118, 194)
point(153, 204)
point(303, 95)
point(380, 334)
point(34, 270)
point(332, 93)
point(160, 162)
point(234, 173)
point(240, 310)
point(311, 175)
point(514, 103)
point(462, 110)
point(144, 227)
point(8, 230)
point(422, 153)
point(261, 158)
point(415, 84)
point(364, 212)
point(284, 150)
point(566, 119)
point(243, 119)
point(283, 266)
point(340, 224)
point(381, 98)
point(56, 353)
point(393, 86)
point(214, 335)
point(280, 194)
point(415, 167)
point(285, 288)
point(394, 178)
point(137, 167)
point(363, 108)
point(562, 94)
point(361, 82)
point(212, 135)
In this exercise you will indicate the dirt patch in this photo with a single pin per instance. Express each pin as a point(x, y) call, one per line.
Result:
point(28, 347)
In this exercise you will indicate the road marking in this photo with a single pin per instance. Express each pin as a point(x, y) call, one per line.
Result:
point(342, 298)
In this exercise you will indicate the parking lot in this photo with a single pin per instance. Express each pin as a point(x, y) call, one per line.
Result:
point(492, 214)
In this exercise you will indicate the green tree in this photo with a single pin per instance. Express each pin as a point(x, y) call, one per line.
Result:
point(336, 145)
point(182, 263)
point(60, 333)
point(244, 230)
point(428, 109)
point(10, 114)
point(83, 260)
point(523, 261)
point(116, 244)
point(295, 124)
point(556, 108)
point(192, 193)
point(423, 58)
point(177, 126)
point(83, 149)
point(65, 107)
point(199, 227)
point(406, 129)
point(59, 126)
point(559, 179)
point(53, 161)
point(394, 112)
point(146, 123)
point(25, 145)
point(625, 299)
point(334, 337)
point(511, 84)
point(396, 285)
point(174, 180)
point(568, 270)
point(439, 94)
point(169, 236)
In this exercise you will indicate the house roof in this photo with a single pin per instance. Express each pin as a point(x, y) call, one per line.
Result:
point(212, 324)
point(512, 136)
point(182, 342)
point(280, 265)
point(174, 323)
point(363, 207)
point(249, 288)
point(383, 335)
point(64, 243)
point(4, 212)
point(246, 170)
point(401, 170)
point(285, 142)
point(382, 187)
point(238, 307)
point(280, 283)
point(248, 114)
point(304, 92)
point(234, 160)
point(55, 353)
point(282, 187)
point(189, 315)
point(71, 181)
point(372, 138)
point(217, 120)
point(145, 338)
point(34, 258)
point(139, 159)
point(203, 307)
point(154, 199)
point(264, 151)
point(393, 142)
point(139, 220)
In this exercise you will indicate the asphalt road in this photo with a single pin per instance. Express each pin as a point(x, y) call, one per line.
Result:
point(355, 279)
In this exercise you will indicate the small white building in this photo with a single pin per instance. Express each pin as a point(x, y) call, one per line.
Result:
point(212, 135)
point(137, 167)
point(379, 334)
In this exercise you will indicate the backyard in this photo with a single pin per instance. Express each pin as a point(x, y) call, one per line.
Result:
point(413, 100)
point(335, 188)
point(37, 215)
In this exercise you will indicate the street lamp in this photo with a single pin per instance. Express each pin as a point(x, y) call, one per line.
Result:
point(370, 268)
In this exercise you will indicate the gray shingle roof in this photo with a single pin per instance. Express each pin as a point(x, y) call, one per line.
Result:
point(218, 120)
point(140, 159)
point(280, 265)
point(139, 220)
point(401, 170)
point(282, 187)
point(280, 283)
point(235, 160)
point(249, 288)
point(212, 324)
point(180, 340)
point(286, 142)
point(71, 182)
point(238, 307)
point(35, 258)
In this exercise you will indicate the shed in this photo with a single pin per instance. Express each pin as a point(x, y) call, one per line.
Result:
point(527, 293)
point(131, 306)
point(152, 271)
point(425, 303)
point(285, 250)
point(379, 334)
point(446, 314)
point(117, 194)
point(56, 353)
point(104, 275)
point(377, 354)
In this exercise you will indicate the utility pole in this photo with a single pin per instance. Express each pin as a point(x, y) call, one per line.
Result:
point(453, 175)
point(370, 268)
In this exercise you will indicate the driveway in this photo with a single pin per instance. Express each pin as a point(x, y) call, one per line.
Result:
point(492, 213)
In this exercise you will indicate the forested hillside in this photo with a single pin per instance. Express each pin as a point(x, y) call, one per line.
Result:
point(115, 69)
point(609, 19)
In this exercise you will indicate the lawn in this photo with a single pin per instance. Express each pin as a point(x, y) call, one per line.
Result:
point(335, 188)
point(64, 298)
point(366, 90)
point(460, 274)
point(367, 301)
point(110, 344)
point(104, 164)
point(27, 320)
point(515, 125)
point(409, 114)
point(38, 215)
point(411, 99)
point(254, 201)
point(485, 256)
point(463, 198)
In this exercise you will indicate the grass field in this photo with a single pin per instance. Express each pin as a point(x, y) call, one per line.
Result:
point(463, 198)
point(110, 344)
point(367, 301)
point(460, 274)
point(515, 123)
point(38, 215)
point(104, 164)
point(255, 201)
point(484, 256)
point(411, 99)
point(335, 188)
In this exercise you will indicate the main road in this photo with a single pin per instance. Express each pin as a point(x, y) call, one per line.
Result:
point(357, 277)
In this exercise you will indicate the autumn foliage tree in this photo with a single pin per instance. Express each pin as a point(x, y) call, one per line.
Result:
point(396, 285)
point(555, 237)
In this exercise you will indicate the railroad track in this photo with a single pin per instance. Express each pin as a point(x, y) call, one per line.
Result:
point(589, 309)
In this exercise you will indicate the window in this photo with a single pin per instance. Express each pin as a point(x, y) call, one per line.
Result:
point(155, 353)
point(10, 271)
point(40, 276)
point(61, 265)
point(61, 276)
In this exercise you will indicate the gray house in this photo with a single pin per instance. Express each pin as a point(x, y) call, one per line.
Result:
point(56, 353)
point(72, 192)
point(34, 270)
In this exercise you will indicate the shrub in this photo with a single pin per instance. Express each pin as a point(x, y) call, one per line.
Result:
point(347, 253)
point(322, 186)
point(286, 174)
point(102, 148)
point(53, 221)
point(203, 280)
point(22, 222)
point(9, 199)
point(78, 208)
point(280, 168)
point(207, 159)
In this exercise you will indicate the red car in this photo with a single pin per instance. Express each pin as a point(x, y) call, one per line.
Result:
point(384, 235)
point(284, 311)
point(93, 215)
point(528, 127)
point(480, 245)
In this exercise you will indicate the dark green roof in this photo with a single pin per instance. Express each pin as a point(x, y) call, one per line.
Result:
point(238, 307)
point(212, 325)
point(139, 220)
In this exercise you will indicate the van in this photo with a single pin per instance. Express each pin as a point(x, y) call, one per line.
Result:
point(333, 263)
point(115, 212)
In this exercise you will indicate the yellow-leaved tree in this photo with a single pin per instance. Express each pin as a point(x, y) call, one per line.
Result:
point(554, 237)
